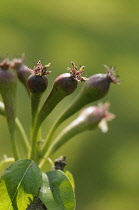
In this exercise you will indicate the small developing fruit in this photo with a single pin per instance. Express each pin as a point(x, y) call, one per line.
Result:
point(89, 119)
point(37, 81)
point(37, 84)
point(64, 85)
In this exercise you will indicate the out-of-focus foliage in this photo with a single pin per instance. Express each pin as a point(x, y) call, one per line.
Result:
point(91, 33)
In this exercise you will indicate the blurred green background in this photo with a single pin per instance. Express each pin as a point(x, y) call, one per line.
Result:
point(90, 33)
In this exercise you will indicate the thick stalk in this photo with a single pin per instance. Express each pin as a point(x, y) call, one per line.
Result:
point(9, 109)
point(35, 100)
point(53, 99)
point(33, 148)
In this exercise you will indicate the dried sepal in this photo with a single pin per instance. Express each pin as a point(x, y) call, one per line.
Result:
point(40, 70)
point(77, 74)
point(107, 116)
point(17, 61)
point(5, 64)
point(60, 163)
point(112, 74)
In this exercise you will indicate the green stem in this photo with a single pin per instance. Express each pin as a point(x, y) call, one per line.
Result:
point(10, 115)
point(51, 102)
point(6, 160)
point(79, 102)
point(33, 148)
point(14, 146)
point(55, 96)
point(35, 100)
point(23, 136)
point(19, 128)
point(73, 129)
point(49, 138)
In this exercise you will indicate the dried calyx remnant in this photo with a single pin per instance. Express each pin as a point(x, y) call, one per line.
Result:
point(60, 163)
point(112, 75)
point(75, 73)
point(17, 62)
point(40, 70)
point(5, 64)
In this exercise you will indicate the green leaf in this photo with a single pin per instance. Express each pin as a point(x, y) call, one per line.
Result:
point(19, 184)
point(46, 194)
point(57, 192)
point(70, 176)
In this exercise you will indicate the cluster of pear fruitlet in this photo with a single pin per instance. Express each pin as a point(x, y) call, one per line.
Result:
point(23, 184)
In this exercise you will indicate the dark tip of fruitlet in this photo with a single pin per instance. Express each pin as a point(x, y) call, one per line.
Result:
point(112, 75)
point(65, 83)
point(37, 84)
point(37, 81)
